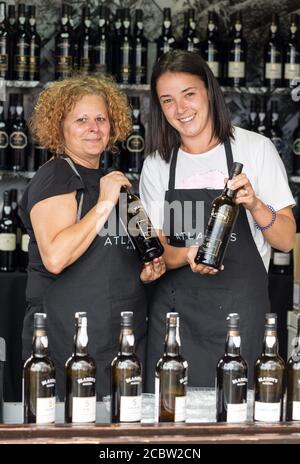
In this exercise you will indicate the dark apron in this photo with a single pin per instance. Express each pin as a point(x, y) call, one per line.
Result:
point(203, 301)
point(103, 282)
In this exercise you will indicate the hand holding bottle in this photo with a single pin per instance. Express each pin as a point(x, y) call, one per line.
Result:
point(110, 186)
point(201, 268)
point(245, 194)
point(153, 270)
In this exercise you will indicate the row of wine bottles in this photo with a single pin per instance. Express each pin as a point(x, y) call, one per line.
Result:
point(171, 377)
point(18, 152)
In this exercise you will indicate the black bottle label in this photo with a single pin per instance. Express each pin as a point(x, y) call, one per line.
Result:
point(21, 63)
point(18, 140)
point(135, 143)
point(4, 140)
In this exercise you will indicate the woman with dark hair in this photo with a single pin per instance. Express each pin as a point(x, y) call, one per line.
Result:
point(193, 146)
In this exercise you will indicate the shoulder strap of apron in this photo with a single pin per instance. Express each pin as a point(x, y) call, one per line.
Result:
point(73, 167)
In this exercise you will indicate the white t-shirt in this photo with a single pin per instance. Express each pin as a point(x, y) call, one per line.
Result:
point(262, 165)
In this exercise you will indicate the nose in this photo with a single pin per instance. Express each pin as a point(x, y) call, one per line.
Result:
point(93, 125)
point(180, 106)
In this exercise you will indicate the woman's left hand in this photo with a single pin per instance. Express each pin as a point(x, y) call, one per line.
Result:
point(153, 270)
point(245, 195)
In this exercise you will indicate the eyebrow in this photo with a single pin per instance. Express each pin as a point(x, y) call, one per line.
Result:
point(86, 116)
point(182, 91)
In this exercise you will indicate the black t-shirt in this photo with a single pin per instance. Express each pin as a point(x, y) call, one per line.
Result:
point(55, 177)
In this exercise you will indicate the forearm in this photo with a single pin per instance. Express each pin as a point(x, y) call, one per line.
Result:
point(281, 235)
point(175, 257)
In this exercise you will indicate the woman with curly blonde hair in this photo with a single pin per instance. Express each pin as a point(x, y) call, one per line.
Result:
point(73, 264)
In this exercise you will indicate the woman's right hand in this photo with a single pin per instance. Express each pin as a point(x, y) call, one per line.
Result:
point(110, 186)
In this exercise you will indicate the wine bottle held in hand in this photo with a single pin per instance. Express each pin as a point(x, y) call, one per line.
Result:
point(171, 377)
point(232, 377)
point(80, 375)
point(223, 216)
point(126, 376)
point(39, 378)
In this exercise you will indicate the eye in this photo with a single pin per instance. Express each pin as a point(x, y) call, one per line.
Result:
point(166, 101)
point(101, 119)
point(190, 94)
point(81, 119)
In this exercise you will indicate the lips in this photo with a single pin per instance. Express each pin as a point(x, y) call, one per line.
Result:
point(187, 118)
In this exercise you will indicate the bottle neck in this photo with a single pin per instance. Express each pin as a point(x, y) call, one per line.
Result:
point(127, 346)
point(227, 192)
point(81, 341)
point(233, 343)
point(172, 342)
point(270, 343)
point(40, 343)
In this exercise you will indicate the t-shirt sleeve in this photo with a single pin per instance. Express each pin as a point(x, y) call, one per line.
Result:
point(152, 191)
point(273, 184)
point(54, 178)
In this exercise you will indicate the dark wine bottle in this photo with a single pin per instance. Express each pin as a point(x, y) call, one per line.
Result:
point(190, 40)
point(269, 376)
point(86, 43)
point(4, 139)
point(166, 41)
point(124, 73)
point(11, 28)
point(262, 117)
point(21, 47)
point(273, 56)
point(171, 376)
point(64, 46)
point(237, 54)
point(296, 150)
point(118, 33)
point(293, 379)
point(140, 50)
point(39, 378)
point(102, 43)
point(139, 227)
point(16, 217)
point(80, 375)
point(223, 215)
point(292, 55)
point(8, 236)
point(211, 51)
point(23, 256)
point(126, 376)
point(18, 139)
point(281, 263)
point(34, 46)
point(4, 42)
point(135, 142)
point(232, 377)
point(274, 131)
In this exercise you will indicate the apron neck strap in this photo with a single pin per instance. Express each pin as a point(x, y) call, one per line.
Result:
point(73, 167)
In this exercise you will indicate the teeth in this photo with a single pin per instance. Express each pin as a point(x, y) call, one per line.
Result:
point(189, 118)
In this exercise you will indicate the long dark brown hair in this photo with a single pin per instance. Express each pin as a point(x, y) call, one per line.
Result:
point(161, 135)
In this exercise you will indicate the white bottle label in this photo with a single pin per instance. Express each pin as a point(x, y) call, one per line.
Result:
point(281, 259)
point(236, 69)
point(273, 70)
point(8, 242)
point(25, 242)
point(267, 412)
point(237, 412)
point(215, 67)
point(45, 410)
point(131, 408)
point(157, 397)
point(296, 410)
point(291, 70)
point(180, 409)
point(84, 409)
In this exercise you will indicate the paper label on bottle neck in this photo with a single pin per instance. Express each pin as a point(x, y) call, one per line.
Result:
point(8, 242)
point(273, 70)
point(157, 398)
point(214, 67)
point(84, 409)
point(267, 412)
point(291, 70)
point(130, 408)
point(296, 410)
point(180, 409)
point(45, 410)
point(236, 412)
point(25, 242)
point(236, 69)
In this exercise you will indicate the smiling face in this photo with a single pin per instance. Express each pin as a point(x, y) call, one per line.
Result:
point(184, 102)
point(86, 130)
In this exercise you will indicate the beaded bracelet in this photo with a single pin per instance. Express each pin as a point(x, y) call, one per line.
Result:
point(272, 220)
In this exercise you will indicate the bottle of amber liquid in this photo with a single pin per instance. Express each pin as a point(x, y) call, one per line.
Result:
point(80, 374)
point(126, 376)
point(293, 379)
point(232, 378)
point(269, 376)
point(171, 377)
point(39, 378)
point(223, 216)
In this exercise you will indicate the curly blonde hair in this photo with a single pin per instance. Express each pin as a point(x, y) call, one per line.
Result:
point(59, 98)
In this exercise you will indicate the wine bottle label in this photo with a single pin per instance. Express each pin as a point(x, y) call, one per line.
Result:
point(4, 140)
point(291, 70)
point(145, 228)
point(296, 147)
point(135, 143)
point(281, 259)
point(33, 63)
point(25, 242)
point(45, 410)
point(8, 242)
point(157, 399)
point(273, 70)
point(18, 140)
point(236, 69)
point(180, 409)
point(130, 408)
point(267, 412)
point(84, 409)
point(3, 60)
point(211, 246)
point(215, 67)
point(236, 412)
point(64, 63)
point(296, 410)
point(21, 62)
